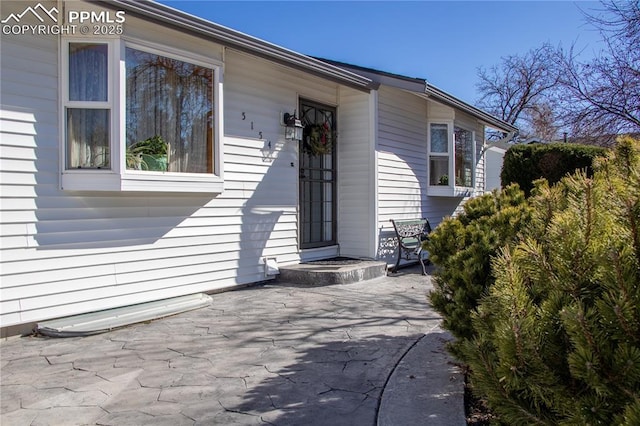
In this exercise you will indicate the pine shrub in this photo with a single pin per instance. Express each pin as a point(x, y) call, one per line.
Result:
point(462, 248)
point(556, 340)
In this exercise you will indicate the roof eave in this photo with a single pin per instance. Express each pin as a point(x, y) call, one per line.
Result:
point(488, 119)
point(421, 87)
point(228, 37)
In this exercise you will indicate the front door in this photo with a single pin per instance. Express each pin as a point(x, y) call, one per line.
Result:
point(317, 175)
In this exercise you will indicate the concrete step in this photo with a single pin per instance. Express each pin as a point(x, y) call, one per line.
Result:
point(332, 271)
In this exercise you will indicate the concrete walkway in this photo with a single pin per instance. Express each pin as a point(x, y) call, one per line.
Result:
point(349, 354)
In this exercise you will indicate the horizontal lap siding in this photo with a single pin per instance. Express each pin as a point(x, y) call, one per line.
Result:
point(28, 154)
point(402, 163)
point(403, 166)
point(268, 184)
point(480, 161)
point(65, 253)
point(263, 171)
point(356, 175)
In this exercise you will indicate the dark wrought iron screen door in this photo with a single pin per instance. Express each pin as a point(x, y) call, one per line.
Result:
point(317, 175)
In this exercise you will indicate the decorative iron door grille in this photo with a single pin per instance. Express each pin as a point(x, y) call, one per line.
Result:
point(317, 175)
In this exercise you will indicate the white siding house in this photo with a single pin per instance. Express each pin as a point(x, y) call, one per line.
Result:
point(82, 230)
point(405, 110)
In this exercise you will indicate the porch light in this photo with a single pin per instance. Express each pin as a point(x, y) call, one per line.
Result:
point(293, 129)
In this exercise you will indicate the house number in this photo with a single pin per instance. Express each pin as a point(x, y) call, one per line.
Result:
point(244, 117)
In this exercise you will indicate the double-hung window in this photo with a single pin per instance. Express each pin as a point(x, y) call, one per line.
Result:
point(141, 118)
point(439, 154)
point(463, 164)
point(88, 106)
point(451, 159)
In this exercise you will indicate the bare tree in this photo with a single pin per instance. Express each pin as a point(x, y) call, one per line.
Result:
point(621, 22)
point(602, 97)
point(548, 89)
point(516, 89)
point(542, 121)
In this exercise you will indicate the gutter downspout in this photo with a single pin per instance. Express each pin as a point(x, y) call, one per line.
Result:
point(507, 138)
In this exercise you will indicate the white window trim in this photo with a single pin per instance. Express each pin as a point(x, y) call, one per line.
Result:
point(473, 154)
point(118, 177)
point(67, 103)
point(450, 190)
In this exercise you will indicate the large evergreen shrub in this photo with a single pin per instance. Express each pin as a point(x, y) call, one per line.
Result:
point(462, 248)
point(523, 164)
point(557, 339)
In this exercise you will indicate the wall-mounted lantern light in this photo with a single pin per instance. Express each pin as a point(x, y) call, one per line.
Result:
point(293, 129)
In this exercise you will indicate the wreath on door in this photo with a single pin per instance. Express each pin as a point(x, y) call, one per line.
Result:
point(318, 139)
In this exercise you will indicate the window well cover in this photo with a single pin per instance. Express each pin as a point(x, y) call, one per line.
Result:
point(102, 321)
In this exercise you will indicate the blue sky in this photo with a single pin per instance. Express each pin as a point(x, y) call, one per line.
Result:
point(442, 42)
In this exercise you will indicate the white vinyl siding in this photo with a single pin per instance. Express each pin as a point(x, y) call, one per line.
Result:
point(65, 252)
point(260, 165)
point(403, 164)
point(69, 252)
point(402, 160)
point(480, 160)
point(356, 175)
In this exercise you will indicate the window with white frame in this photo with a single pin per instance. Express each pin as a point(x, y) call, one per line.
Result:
point(139, 112)
point(439, 154)
point(88, 107)
point(451, 158)
point(169, 113)
point(463, 164)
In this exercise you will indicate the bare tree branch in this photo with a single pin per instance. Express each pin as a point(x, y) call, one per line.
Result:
point(515, 89)
point(547, 89)
point(602, 97)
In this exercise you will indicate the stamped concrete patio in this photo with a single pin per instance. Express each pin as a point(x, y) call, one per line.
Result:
point(347, 354)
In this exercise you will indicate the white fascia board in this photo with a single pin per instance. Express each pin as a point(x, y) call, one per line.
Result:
point(489, 120)
point(422, 88)
point(163, 14)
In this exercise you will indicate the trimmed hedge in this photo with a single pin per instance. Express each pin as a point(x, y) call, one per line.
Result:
point(523, 164)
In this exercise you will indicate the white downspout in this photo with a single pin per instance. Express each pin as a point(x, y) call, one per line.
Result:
point(373, 181)
point(506, 139)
